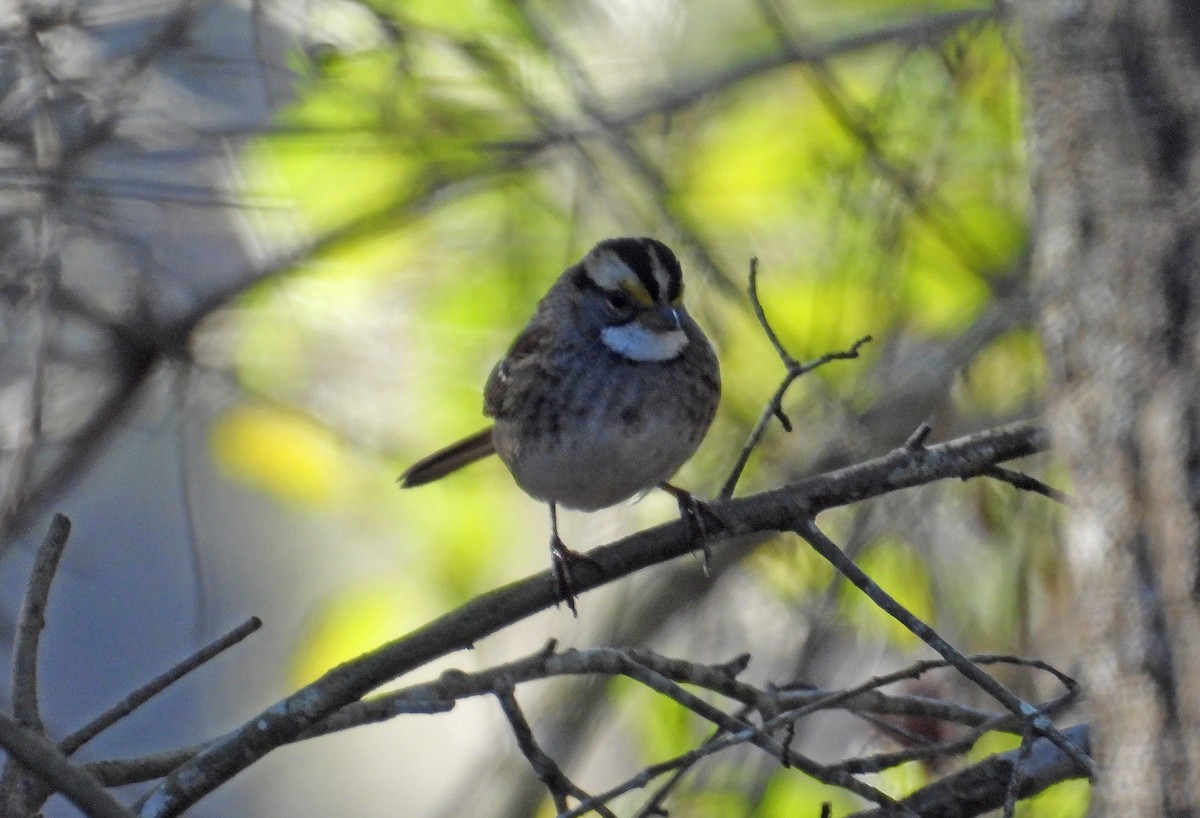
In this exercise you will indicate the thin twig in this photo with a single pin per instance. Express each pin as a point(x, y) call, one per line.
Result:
point(774, 407)
point(118, 772)
point(1025, 482)
point(34, 798)
point(750, 734)
point(30, 624)
point(155, 686)
point(717, 742)
point(624, 143)
point(789, 362)
point(1008, 722)
point(441, 694)
point(916, 441)
point(1018, 775)
point(548, 772)
point(883, 761)
point(682, 95)
point(744, 733)
point(824, 546)
point(654, 805)
point(33, 620)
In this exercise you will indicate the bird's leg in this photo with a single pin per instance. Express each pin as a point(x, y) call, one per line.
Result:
point(561, 558)
point(701, 520)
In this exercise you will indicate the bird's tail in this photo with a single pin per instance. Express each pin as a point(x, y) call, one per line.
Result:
point(450, 459)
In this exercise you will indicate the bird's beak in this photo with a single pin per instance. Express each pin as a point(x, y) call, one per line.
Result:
point(660, 319)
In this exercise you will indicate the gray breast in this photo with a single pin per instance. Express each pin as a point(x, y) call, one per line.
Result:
point(625, 428)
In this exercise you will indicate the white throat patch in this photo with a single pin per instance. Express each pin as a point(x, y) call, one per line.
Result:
point(637, 343)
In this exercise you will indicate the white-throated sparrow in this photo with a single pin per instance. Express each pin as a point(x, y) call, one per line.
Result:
point(606, 392)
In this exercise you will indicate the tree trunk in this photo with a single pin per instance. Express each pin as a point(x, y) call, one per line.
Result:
point(1115, 128)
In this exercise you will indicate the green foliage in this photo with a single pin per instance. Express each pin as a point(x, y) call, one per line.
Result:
point(1069, 799)
point(796, 794)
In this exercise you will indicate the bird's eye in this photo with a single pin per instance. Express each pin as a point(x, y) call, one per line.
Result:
point(619, 300)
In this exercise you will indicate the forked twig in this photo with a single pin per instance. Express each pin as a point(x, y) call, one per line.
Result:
point(1016, 479)
point(795, 369)
point(548, 772)
point(41, 758)
point(71, 743)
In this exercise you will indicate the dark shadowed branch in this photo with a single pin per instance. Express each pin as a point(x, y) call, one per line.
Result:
point(983, 787)
point(807, 529)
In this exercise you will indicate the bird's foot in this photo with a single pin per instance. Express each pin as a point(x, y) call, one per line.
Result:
point(561, 560)
point(703, 523)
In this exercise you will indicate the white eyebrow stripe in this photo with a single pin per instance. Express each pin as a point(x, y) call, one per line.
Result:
point(661, 275)
point(607, 270)
point(659, 272)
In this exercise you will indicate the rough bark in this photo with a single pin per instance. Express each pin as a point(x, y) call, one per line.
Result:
point(1115, 125)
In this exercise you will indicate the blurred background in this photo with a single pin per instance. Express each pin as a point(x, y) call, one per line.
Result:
point(260, 256)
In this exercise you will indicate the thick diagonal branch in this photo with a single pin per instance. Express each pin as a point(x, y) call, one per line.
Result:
point(774, 510)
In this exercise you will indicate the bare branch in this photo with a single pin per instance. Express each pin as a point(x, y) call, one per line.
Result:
point(1015, 779)
point(664, 675)
point(155, 686)
point(624, 143)
point(38, 756)
point(117, 772)
point(33, 620)
point(769, 511)
point(1025, 482)
point(561, 788)
point(928, 28)
point(942, 219)
point(916, 441)
point(807, 529)
point(984, 786)
point(774, 407)
point(30, 624)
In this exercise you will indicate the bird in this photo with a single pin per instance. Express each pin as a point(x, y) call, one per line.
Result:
point(607, 391)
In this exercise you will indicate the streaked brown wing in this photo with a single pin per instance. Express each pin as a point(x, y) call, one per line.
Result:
point(507, 374)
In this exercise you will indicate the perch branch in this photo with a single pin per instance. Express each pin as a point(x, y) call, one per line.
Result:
point(774, 510)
